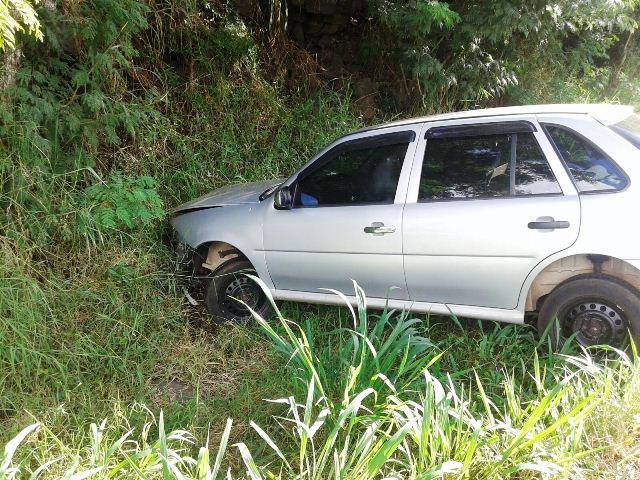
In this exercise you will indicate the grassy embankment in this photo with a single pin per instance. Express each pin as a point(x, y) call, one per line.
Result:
point(93, 326)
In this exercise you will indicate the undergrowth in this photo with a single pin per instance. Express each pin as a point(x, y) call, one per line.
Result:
point(128, 108)
point(373, 398)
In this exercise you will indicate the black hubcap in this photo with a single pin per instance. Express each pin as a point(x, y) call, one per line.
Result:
point(240, 293)
point(596, 323)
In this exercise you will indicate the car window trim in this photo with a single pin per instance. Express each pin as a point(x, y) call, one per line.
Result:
point(512, 164)
point(512, 160)
point(480, 129)
point(382, 140)
point(355, 204)
point(505, 197)
point(593, 145)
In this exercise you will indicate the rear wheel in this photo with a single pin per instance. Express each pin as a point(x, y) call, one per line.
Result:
point(229, 293)
point(598, 310)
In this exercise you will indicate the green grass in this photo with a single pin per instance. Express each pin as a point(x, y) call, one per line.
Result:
point(92, 316)
point(352, 395)
point(92, 320)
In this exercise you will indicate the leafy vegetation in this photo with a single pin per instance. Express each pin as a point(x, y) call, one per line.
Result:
point(460, 53)
point(17, 16)
point(376, 400)
point(126, 108)
point(122, 203)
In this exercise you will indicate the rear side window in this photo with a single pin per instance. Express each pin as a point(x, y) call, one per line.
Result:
point(357, 176)
point(592, 170)
point(485, 166)
point(629, 128)
point(533, 172)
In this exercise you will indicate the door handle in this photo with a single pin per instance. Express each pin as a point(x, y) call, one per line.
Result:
point(378, 228)
point(549, 225)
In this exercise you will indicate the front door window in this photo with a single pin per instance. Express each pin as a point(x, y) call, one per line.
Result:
point(355, 176)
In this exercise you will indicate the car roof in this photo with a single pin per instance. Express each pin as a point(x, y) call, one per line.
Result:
point(604, 113)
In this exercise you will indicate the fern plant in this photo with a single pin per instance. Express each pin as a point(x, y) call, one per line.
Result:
point(17, 16)
point(124, 202)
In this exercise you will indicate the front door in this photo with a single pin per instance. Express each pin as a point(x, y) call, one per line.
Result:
point(487, 203)
point(346, 223)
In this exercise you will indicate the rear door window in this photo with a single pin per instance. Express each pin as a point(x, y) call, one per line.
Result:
point(591, 169)
point(533, 172)
point(485, 166)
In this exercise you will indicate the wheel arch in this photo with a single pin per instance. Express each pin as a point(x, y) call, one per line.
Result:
point(560, 270)
point(214, 253)
point(238, 226)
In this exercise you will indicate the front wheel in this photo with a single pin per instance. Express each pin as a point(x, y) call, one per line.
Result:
point(597, 310)
point(229, 293)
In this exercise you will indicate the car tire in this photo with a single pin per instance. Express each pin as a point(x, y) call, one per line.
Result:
point(229, 290)
point(601, 309)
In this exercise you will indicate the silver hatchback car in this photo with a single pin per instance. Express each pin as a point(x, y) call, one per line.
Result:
point(484, 214)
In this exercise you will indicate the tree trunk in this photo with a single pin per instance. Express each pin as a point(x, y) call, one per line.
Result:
point(618, 67)
point(10, 65)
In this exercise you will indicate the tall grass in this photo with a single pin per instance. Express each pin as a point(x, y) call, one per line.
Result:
point(89, 312)
point(369, 402)
point(91, 315)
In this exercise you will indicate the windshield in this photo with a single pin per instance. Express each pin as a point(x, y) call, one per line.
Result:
point(629, 128)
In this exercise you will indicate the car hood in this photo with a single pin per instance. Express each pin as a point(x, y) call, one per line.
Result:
point(229, 195)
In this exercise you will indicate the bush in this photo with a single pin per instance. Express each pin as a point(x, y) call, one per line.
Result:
point(124, 202)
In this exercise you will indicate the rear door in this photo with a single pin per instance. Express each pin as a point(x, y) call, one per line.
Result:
point(487, 201)
point(346, 223)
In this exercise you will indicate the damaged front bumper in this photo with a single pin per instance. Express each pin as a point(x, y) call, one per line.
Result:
point(185, 272)
point(187, 260)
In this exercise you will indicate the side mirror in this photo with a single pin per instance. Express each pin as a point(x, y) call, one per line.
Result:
point(283, 200)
